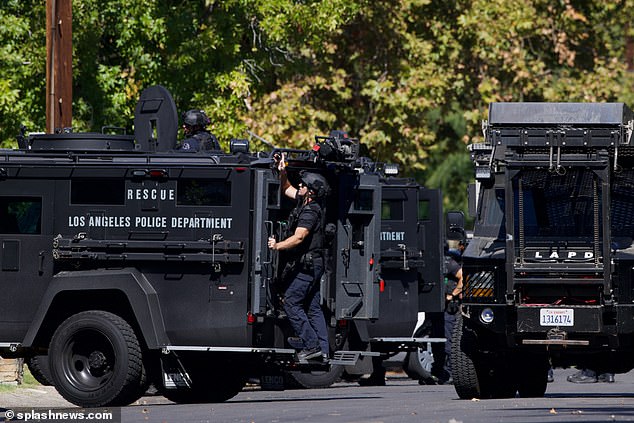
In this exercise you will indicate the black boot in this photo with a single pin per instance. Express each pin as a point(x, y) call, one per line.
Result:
point(606, 377)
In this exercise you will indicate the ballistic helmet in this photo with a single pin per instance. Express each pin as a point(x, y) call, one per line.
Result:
point(316, 183)
point(195, 118)
point(337, 133)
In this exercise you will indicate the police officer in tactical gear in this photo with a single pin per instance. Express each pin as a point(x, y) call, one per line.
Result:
point(197, 137)
point(305, 246)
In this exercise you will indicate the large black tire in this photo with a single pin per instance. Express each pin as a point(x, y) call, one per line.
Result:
point(315, 379)
point(533, 379)
point(476, 375)
point(321, 377)
point(39, 368)
point(210, 383)
point(503, 381)
point(418, 364)
point(465, 375)
point(203, 394)
point(96, 360)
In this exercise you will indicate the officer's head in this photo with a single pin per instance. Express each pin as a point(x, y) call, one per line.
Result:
point(195, 120)
point(316, 184)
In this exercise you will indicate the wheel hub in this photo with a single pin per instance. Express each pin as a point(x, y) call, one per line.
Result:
point(97, 360)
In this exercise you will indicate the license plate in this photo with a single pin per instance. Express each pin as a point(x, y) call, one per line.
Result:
point(556, 317)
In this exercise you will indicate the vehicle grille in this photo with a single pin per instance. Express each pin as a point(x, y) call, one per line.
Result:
point(479, 285)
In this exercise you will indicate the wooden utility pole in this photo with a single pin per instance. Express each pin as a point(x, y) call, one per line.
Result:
point(59, 64)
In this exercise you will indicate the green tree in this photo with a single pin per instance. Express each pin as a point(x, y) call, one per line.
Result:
point(22, 68)
point(411, 78)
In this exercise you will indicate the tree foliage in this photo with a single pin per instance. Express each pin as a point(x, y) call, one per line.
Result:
point(411, 78)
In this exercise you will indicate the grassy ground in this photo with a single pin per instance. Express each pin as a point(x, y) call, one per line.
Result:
point(28, 379)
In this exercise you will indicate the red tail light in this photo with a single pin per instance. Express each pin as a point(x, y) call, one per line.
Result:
point(157, 173)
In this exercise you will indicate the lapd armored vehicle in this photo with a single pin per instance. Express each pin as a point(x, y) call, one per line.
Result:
point(127, 263)
point(548, 274)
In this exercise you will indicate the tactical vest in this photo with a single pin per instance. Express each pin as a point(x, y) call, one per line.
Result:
point(315, 242)
point(206, 141)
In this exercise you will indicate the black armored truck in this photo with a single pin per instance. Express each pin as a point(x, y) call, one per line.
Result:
point(548, 275)
point(411, 276)
point(126, 263)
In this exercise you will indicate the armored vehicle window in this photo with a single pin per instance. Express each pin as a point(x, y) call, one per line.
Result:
point(491, 218)
point(97, 191)
point(553, 205)
point(392, 210)
point(20, 215)
point(363, 200)
point(622, 204)
point(423, 210)
point(210, 192)
point(273, 196)
point(493, 207)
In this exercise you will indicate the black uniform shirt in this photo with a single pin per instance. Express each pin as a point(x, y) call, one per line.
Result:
point(310, 218)
point(201, 141)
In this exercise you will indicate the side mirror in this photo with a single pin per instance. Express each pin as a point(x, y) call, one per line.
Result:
point(455, 226)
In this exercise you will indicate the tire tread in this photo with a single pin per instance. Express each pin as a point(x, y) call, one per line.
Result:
point(131, 388)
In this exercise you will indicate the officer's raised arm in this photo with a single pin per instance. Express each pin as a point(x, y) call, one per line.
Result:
point(286, 187)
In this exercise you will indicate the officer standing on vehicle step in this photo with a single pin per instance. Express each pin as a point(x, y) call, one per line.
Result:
point(306, 264)
point(197, 137)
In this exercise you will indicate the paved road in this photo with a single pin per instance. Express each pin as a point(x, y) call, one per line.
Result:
point(402, 400)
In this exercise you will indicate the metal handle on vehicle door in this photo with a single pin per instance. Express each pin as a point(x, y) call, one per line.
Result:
point(345, 252)
point(403, 248)
point(41, 266)
point(269, 233)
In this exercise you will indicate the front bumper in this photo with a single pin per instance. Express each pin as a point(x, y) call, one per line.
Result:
point(600, 326)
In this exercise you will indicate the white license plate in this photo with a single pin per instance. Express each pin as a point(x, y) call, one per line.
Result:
point(556, 317)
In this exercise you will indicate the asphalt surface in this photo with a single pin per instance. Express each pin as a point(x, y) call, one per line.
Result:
point(401, 400)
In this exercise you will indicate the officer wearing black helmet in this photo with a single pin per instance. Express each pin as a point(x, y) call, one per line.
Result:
point(197, 137)
point(305, 246)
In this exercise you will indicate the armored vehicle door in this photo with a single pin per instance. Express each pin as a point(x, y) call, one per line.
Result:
point(431, 242)
point(266, 210)
point(400, 260)
point(222, 196)
point(26, 213)
point(358, 228)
